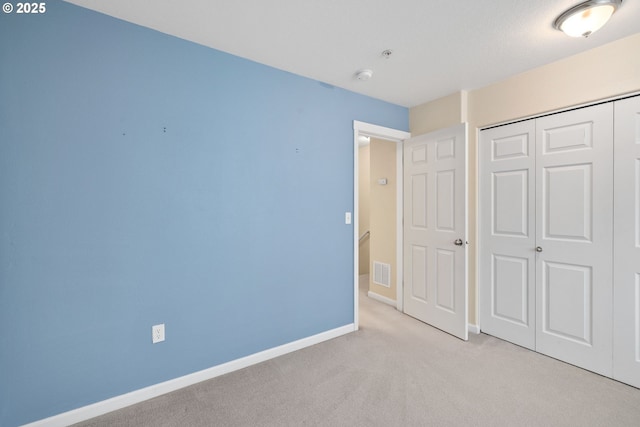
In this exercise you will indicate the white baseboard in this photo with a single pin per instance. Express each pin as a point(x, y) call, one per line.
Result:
point(474, 329)
point(128, 399)
point(380, 298)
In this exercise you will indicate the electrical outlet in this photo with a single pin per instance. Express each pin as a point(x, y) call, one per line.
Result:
point(157, 333)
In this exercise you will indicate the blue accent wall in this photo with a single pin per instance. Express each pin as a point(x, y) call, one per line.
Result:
point(145, 179)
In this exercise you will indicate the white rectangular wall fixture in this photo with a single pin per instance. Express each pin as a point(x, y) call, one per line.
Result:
point(347, 218)
point(157, 333)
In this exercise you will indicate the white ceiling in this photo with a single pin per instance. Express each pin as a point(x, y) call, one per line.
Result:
point(439, 46)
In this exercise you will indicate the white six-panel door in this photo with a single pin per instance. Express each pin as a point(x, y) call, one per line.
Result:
point(574, 237)
point(507, 233)
point(626, 338)
point(435, 229)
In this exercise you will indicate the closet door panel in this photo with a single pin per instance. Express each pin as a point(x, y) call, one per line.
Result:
point(574, 215)
point(506, 227)
point(626, 339)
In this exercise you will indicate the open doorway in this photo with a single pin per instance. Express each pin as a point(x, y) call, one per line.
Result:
point(377, 218)
point(385, 183)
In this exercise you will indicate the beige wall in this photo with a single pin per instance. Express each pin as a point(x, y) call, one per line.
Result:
point(363, 207)
point(601, 73)
point(439, 114)
point(382, 210)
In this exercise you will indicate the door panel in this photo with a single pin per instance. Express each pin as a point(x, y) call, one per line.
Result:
point(567, 137)
point(563, 286)
point(511, 146)
point(626, 339)
point(510, 203)
point(567, 192)
point(507, 232)
point(574, 218)
point(418, 273)
point(445, 280)
point(419, 196)
point(436, 199)
point(509, 300)
point(445, 201)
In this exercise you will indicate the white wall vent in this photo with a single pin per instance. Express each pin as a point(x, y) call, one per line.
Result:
point(382, 274)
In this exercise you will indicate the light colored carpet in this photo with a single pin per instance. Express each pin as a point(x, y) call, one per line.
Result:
point(395, 371)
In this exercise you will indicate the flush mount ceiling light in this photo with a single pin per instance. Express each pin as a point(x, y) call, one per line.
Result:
point(586, 18)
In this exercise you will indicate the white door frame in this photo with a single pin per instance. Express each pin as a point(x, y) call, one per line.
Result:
point(397, 136)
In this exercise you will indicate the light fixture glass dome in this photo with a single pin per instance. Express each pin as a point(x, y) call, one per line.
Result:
point(586, 18)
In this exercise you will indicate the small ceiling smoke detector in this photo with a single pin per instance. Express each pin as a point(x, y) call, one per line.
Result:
point(586, 18)
point(386, 54)
point(364, 75)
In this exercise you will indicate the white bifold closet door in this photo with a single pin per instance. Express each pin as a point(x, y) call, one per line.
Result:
point(507, 231)
point(546, 212)
point(626, 338)
point(574, 237)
